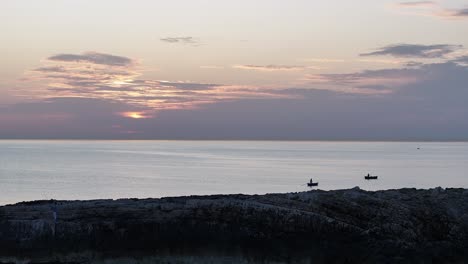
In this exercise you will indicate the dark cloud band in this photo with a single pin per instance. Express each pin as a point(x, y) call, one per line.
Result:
point(93, 57)
point(180, 40)
point(414, 51)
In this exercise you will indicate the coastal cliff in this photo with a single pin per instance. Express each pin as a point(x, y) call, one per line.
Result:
point(342, 226)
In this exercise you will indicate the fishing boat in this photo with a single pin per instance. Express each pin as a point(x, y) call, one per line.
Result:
point(311, 183)
point(370, 177)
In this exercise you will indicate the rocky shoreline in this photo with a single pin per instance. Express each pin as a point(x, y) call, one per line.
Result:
point(342, 226)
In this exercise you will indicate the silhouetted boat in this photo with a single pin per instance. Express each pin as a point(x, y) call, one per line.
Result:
point(369, 177)
point(311, 183)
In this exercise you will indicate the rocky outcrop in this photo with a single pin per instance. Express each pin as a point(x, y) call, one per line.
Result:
point(407, 225)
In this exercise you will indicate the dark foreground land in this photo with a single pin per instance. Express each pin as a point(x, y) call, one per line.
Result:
point(343, 226)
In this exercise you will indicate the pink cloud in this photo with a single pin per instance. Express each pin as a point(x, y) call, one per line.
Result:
point(117, 78)
point(432, 9)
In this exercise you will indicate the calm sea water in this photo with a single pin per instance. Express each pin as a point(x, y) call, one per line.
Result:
point(31, 170)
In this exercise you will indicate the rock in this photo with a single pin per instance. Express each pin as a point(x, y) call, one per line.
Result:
point(394, 226)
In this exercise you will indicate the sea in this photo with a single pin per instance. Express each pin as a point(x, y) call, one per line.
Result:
point(82, 170)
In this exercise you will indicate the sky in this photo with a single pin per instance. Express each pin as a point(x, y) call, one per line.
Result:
point(256, 70)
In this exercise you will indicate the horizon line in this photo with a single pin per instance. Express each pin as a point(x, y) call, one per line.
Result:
point(265, 140)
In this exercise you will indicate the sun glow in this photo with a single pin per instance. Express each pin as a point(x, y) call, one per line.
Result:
point(135, 115)
point(121, 82)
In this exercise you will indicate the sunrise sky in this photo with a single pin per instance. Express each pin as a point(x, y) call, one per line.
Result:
point(264, 69)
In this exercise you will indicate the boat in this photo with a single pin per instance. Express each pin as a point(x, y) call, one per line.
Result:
point(311, 183)
point(370, 177)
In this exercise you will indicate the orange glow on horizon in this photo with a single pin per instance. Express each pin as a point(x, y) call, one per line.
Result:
point(135, 115)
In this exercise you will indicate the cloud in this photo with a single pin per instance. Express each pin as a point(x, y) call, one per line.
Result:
point(271, 68)
point(83, 76)
point(391, 80)
point(380, 61)
point(417, 4)
point(462, 60)
point(50, 69)
point(189, 86)
point(415, 51)
point(385, 78)
point(426, 102)
point(93, 57)
point(433, 9)
point(211, 67)
point(431, 108)
point(181, 40)
point(413, 64)
point(461, 13)
point(68, 117)
point(83, 99)
point(323, 60)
